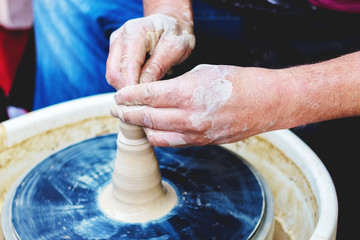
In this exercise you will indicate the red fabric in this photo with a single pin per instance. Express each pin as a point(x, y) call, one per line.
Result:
point(12, 46)
point(338, 5)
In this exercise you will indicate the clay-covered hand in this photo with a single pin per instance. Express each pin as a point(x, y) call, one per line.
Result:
point(223, 104)
point(208, 105)
point(168, 41)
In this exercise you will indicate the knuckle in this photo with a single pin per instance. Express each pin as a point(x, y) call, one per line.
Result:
point(201, 140)
point(205, 126)
point(114, 35)
point(130, 24)
point(199, 128)
point(131, 28)
point(126, 60)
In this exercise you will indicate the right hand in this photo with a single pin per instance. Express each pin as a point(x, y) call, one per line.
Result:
point(169, 41)
point(208, 105)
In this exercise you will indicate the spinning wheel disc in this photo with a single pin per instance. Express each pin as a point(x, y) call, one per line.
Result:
point(219, 196)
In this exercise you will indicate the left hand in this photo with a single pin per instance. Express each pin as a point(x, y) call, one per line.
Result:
point(167, 39)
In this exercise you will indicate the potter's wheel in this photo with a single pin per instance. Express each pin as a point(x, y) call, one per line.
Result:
point(219, 197)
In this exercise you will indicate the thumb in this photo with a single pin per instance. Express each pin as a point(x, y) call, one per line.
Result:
point(163, 57)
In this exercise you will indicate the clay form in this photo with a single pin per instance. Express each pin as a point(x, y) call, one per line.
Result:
point(137, 193)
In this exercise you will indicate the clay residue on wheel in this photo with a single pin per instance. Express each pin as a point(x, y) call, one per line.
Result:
point(296, 210)
point(19, 157)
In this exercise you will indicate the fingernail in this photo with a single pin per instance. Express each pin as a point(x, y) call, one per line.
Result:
point(119, 99)
point(146, 77)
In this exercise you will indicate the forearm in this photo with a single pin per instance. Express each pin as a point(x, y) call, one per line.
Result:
point(181, 9)
point(322, 91)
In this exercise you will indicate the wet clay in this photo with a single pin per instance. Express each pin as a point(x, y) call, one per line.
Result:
point(137, 193)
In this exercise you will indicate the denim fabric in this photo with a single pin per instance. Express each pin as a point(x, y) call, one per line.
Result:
point(72, 41)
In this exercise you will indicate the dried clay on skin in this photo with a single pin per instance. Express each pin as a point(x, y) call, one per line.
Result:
point(161, 24)
point(211, 96)
point(118, 111)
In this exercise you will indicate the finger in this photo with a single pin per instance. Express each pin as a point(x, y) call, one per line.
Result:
point(126, 57)
point(160, 138)
point(168, 119)
point(164, 56)
point(164, 94)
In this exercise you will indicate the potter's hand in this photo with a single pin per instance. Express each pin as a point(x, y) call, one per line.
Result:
point(223, 104)
point(208, 105)
point(169, 40)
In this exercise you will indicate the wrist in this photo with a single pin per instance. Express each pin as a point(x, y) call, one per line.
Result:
point(179, 9)
point(275, 98)
point(262, 99)
point(324, 91)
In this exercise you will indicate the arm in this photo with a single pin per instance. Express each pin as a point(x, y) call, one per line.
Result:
point(166, 33)
point(223, 104)
point(326, 90)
